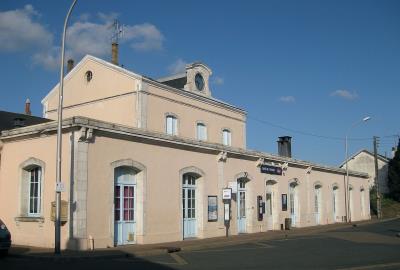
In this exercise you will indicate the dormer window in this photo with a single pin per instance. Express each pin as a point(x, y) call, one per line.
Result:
point(19, 122)
point(201, 132)
point(199, 81)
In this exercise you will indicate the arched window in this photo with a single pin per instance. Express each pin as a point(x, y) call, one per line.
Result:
point(35, 196)
point(201, 132)
point(226, 137)
point(171, 125)
point(31, 187)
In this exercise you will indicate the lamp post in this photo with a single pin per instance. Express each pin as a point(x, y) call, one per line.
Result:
point(346, 181)
point(57, 222)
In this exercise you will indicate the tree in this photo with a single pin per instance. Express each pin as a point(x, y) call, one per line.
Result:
point(394, 175)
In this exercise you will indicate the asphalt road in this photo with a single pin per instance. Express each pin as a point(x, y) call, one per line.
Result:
point(374, 246)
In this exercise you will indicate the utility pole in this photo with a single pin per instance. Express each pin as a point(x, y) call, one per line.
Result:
point(378, 194)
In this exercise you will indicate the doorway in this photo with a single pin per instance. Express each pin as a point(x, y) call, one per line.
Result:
point(317, 204)
point(241, 205)
point(189, 206)
point(335, 203)
point(124, 205)
point(293, 201)
point(270, 204)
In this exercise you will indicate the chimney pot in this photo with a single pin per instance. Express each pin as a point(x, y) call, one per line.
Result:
point(285, 146)
point(70, 65)
point(28, 107)
point(114, 53)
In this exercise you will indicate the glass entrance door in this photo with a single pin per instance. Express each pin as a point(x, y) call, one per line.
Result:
point(268, 210)
point(124, 206)
point(334, 204)
point(317, 205)
point(189, 206)
point(241, 206)
point(293, 204)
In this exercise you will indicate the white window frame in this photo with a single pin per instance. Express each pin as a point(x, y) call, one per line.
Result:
point(201, 131)
point(228, 139)
point(39, 192)
point(171, 127)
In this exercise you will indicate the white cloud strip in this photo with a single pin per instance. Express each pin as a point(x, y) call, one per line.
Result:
point(287, 99)
point(177, 67)
point(218, 80)
point(21, 30)
point(344, 94)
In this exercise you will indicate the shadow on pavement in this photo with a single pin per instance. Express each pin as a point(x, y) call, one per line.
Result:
point(23, 258)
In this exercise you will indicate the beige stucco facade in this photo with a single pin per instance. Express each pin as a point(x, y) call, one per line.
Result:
point(119, 122)
point(119, 96)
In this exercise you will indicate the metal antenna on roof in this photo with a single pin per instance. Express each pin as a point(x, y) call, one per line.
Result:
point(118, 32)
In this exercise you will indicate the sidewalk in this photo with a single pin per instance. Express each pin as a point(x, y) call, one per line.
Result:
point(187, 245)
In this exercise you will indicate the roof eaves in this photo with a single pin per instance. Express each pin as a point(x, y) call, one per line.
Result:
point(116, 128)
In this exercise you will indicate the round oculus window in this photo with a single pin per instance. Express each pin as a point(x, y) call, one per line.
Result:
point(199, 81)
point(89, 75)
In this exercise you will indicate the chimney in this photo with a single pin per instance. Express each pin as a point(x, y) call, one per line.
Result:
point(285, 146)
point(114, 53)
point(70, 65)
point(28, 107)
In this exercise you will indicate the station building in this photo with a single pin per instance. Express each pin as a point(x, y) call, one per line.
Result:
point(146, 161)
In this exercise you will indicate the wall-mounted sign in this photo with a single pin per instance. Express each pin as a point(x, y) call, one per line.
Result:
point(227, 194)
point(271, 169)
point(233, 186)
point(212, 208)
point(64, 212)
point(227, 215)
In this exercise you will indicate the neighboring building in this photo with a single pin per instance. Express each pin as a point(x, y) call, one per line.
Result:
point(145, 161)
point(364, 161)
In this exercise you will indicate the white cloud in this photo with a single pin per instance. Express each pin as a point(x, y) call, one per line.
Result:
point(218, 80)
point(345, 94)
point(145, 37)
point(20, 30)
point(287, 99)
point(178, 66)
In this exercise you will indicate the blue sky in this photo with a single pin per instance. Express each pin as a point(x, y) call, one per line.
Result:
point(313, 67)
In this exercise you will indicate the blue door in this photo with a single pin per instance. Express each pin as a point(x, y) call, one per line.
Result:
point(189, 206)
point(241, 206)
point(124, 206)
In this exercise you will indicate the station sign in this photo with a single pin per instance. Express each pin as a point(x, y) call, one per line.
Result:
point(226, 194)
point(269, 169)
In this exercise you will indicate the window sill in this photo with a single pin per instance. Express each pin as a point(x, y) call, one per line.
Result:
point(29, 219)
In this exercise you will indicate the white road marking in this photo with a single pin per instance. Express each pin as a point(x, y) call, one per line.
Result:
point(375, 266)
point(179, 260)
point(263, 245)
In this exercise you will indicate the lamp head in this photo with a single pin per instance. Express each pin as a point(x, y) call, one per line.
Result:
point(365, 119)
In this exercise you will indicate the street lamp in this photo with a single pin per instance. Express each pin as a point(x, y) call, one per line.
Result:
point(57, 222)
point(346, 181)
